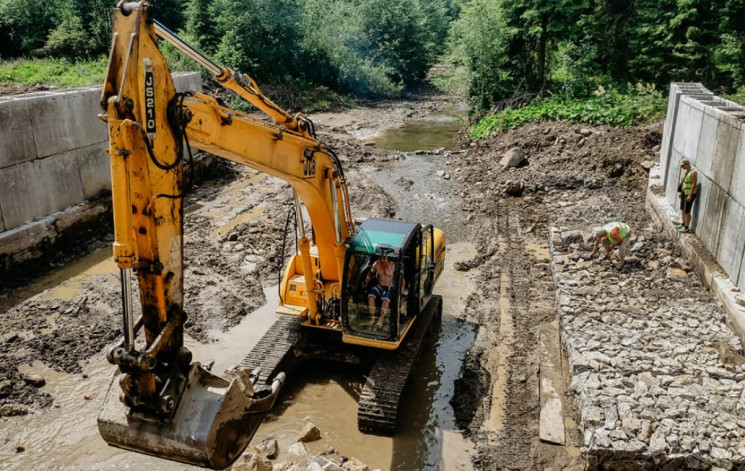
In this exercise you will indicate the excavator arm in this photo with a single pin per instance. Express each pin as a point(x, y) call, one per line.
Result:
point(160, 402)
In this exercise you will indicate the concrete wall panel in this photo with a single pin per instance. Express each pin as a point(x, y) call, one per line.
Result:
point(67, 121)
point(187, 81)
point(732, 240)
point(737, 185)
point(707, 142)
point(741, 277)
point(725, 151)
point(708, 212)
point(2, 223)
point(16, 133)
point(674, 174)
point(690, 120)
point(17, 199)
point(95, 170)
point(669, 127)
point(31, 190)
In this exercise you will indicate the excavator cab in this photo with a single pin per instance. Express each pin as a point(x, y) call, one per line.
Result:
point(377, 315)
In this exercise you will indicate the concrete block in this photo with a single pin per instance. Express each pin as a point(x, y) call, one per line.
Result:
point(16, 133)
point(67, 121)
point(708, 213)
point(725, 151)
point(732, 240)
point(95, 170)
point(688, 132)
point(31, 190)
point(187, 81)
point(741, 276)
point(737, 185)
point(669, 128)
point(674, 174)
point(707, 143)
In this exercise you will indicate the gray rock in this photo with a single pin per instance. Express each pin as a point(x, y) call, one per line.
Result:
point(298, 449)
point(325, 463)
point(12, 410)
point(6, 387)
point(33, 379)
point(268, 447)
point(514, 188)
point(252, 462)
point(513, 158)
point(353, 464)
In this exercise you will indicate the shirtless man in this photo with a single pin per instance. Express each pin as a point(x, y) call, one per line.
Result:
point(382, 275)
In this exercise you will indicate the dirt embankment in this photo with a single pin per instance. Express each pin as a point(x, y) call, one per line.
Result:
point(571, 175)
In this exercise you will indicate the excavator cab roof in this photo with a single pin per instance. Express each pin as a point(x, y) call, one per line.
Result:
point(382, 237)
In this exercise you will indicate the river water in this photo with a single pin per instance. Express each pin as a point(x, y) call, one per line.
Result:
point(66, 436)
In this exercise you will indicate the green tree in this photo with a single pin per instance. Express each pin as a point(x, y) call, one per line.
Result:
point(25, 24)
point(200, 28)
point(84, 30)
point(535, 28)
point(260, 40)
point(478, 41)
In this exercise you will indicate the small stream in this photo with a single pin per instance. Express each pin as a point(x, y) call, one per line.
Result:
point(66, 436)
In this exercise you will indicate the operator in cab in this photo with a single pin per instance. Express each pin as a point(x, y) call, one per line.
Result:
point(379, 281)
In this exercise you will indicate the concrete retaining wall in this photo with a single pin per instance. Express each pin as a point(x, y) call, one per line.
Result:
point(53, 158)
point(710, 132)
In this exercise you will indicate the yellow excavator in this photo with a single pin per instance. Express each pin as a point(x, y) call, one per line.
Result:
point(162, 403)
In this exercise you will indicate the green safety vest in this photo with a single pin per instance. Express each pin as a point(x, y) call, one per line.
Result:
point(688, 183)
point(623, 232)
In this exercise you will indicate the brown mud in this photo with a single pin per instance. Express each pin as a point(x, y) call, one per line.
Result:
point(233, 238)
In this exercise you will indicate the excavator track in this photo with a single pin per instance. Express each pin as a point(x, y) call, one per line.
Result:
point(274, 352)
point(287, 344)
point(381, 395)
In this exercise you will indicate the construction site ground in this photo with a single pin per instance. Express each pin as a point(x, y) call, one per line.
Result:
point(518, 270)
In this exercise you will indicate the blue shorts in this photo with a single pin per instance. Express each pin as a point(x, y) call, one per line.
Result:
point(378, 291)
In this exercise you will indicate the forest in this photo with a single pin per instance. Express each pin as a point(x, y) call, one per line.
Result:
point(498, 53)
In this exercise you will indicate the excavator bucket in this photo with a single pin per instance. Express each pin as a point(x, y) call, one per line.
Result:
point(212, 424)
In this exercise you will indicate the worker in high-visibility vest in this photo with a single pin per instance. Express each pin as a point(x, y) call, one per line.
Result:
point(687, 192)
point(612, 235)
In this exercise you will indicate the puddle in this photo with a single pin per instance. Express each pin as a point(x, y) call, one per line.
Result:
point(62, 282)
point(429, 133)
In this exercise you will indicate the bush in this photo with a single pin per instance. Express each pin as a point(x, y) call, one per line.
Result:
point(639, 104)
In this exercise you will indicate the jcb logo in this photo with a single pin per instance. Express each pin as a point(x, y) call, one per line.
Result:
point(309, 166)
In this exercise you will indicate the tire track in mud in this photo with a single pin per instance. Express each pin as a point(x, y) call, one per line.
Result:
point(519, 284)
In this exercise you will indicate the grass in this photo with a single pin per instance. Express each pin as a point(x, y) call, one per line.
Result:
point(738, 97)
point(606, 107)
point(52, 72)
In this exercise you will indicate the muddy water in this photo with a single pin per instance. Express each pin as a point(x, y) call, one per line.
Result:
point(428, 133)
point(66, 437)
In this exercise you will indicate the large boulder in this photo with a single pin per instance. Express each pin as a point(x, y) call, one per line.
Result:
point(514, 157)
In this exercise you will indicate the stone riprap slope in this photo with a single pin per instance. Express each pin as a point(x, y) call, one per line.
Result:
point(656, 372)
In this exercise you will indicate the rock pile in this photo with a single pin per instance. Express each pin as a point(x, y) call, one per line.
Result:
point(264, 455)
point(656, 372)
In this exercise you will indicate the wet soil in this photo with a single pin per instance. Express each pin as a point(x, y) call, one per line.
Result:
point(234, 226)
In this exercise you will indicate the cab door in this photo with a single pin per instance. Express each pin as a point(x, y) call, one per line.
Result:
point(426, 265)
